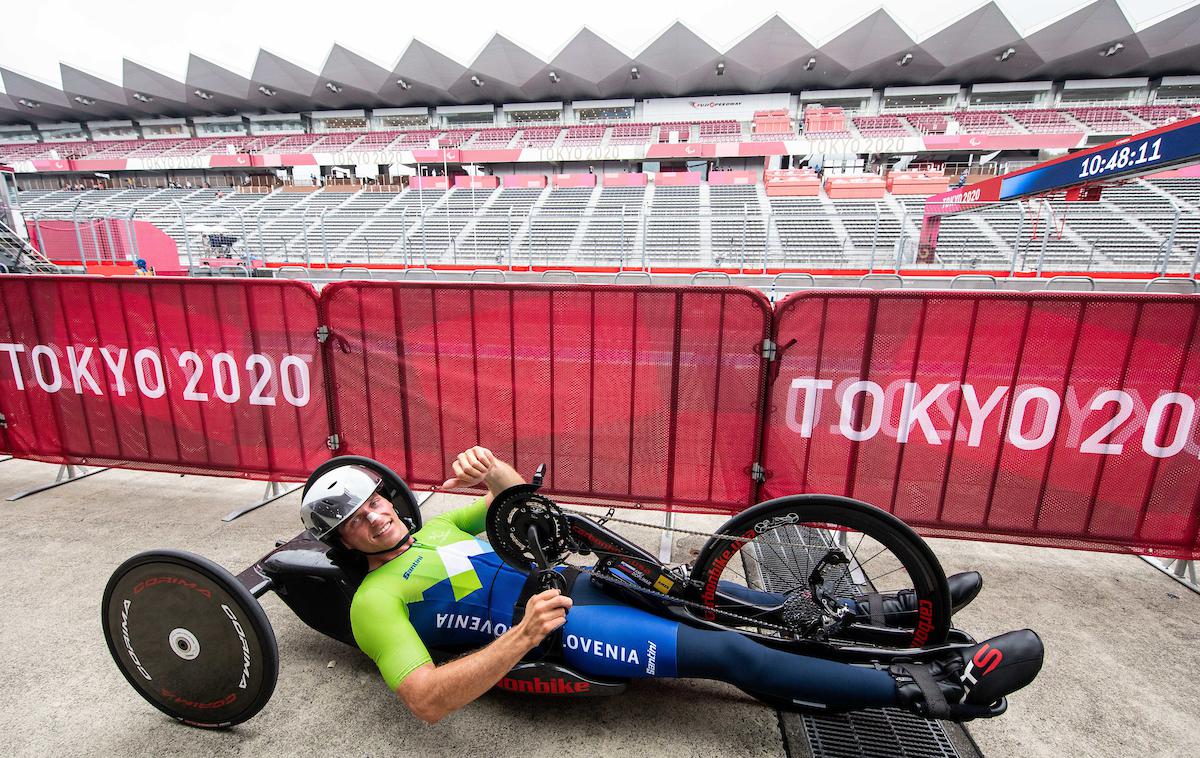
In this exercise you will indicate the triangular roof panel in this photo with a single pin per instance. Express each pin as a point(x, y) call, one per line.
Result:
point(775, 57)
point(422, 64)
point(503, 60)
point(1072, 46)
point(167, 95)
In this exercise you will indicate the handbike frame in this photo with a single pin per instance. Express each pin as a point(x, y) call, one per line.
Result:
point(615, 553)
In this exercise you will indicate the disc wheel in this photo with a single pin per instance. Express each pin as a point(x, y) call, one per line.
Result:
point(813, 564)
point(190, 638)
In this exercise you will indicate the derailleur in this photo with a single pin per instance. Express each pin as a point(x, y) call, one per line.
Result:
point(815, 612)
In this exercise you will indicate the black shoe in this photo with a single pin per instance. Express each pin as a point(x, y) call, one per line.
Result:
point(898, 608)
point(973, 682)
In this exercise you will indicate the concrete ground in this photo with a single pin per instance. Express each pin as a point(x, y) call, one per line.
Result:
point(1123, 646)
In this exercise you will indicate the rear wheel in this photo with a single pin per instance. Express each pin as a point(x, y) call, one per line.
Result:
point(190, 638)
point(811, 567)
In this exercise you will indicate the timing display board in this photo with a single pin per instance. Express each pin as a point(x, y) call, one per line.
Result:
point(1157, 149)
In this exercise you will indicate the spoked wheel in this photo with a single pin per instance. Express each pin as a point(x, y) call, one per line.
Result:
point(814, 566)
point(190, 638)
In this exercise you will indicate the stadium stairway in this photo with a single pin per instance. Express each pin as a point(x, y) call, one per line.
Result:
point(17, 256)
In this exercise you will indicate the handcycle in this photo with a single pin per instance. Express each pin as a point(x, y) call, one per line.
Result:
point(801, 573)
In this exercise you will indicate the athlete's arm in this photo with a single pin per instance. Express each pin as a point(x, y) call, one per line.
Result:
point(434, 692)
point(471, 467)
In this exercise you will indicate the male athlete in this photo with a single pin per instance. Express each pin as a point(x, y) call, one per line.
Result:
point(442, 587)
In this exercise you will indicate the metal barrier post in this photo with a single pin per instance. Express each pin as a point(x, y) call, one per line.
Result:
point(745, 231)
point(405, 252)
point(622, 266)
point(1178, 569)
point(509, 236)
point(262, 255)
point(645, 230)
point(767, 238)
point(324, 243)
point(899, 258)
point(529, 237)
point(112, 244)
point(1045, 242)
point(1012, 269)
point(67, 472)
point(424, 238)
point(273, 492)
point(875, 232)
point(304, 226)
point(96, 239)
point(1195, 260)
point(37, 230)
point(78, 236)
point(1170, 244)
point(131, 230)
point(242, 222)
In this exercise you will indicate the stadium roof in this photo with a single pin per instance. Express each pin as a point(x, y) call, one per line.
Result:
point(1094, 41)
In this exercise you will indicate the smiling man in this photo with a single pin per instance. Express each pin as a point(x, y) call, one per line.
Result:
point(429, 589)
point(439, 585)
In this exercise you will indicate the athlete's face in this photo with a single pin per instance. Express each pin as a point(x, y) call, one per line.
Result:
point(374, 527)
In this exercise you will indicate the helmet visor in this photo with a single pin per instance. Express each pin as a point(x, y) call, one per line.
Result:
point(335, 497)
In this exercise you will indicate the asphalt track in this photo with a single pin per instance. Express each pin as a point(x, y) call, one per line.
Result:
point(1123, 647)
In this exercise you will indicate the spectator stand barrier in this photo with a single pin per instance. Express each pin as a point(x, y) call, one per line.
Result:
point(631, 394)
point(1060, 419)
point(778, 283)
point(1045, 418)
point(202, 376)
point(992, 282)
point(477, 274)
point(1052, 282)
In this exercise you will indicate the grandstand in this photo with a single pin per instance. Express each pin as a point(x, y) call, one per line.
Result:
point(688, 179)
point(697, 226)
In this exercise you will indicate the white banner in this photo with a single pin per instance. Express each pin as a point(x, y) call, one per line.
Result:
point(712, 107)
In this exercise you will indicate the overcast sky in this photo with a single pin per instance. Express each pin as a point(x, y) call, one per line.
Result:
point(94, 35)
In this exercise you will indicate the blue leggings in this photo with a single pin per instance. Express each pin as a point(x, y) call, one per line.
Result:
point(605, 637)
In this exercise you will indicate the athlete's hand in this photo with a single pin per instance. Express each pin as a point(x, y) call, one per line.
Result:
point(545, 612)
point(470, 467)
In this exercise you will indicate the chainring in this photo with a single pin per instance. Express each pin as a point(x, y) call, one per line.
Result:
point(509, 519)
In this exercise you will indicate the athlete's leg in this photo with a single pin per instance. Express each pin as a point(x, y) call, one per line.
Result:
point(603, 636)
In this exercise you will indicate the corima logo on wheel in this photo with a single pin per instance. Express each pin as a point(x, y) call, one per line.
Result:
point(245, 646)
point(152, 581)
point(129, 645)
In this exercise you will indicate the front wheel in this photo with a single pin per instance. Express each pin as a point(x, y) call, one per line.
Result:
point(190, 638)
point(823, 568)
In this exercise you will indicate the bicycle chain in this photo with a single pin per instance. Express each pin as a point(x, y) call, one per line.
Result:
point(662, 596)
point(728, 537)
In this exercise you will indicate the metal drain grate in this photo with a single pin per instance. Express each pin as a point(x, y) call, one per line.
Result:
point(879, 732)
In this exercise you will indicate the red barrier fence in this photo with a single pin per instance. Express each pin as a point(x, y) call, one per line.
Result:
point(642, 394)
point(203, 376)
point(1048, 419)
point(1052, 419)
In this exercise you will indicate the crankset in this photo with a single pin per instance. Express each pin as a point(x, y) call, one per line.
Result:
point(527, 530)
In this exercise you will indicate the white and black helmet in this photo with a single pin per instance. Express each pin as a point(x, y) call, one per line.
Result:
point(339, 487)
